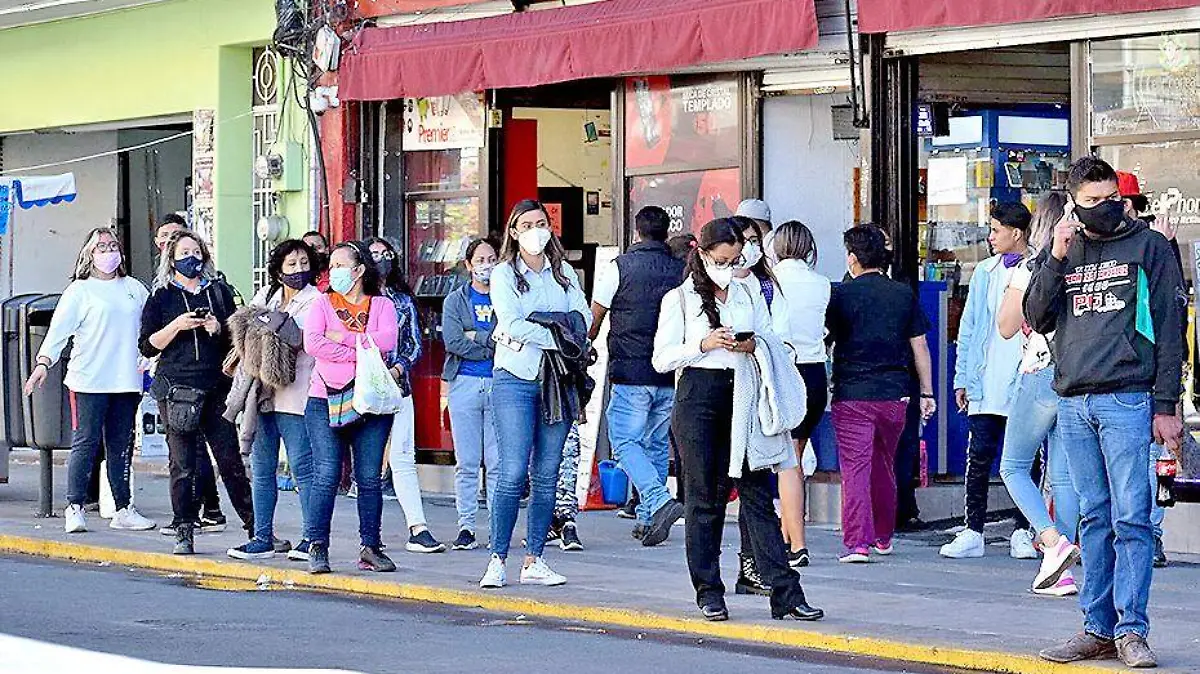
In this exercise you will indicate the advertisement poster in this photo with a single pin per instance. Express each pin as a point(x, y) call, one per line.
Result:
point(203, 157)
point(443, 122)
point(691, 198)
point(681, 120)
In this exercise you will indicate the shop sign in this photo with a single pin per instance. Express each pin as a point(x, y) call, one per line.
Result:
point(681, 121)
point(443, 122)
point(691, 199)
point(203, 166)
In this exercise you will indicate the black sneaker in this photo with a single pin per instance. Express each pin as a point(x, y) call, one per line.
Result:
point(749, 580)
point(569, 538)
point(628, 511)
point(300, 552)
point(373, 559)
point(465, 541)
point(281, 545)
point(424, 542)
point(184, 540)
point(1160, 555)
point(639, 531)
point(318, 558)
point(212, 523)
point(93, 507)
point(660, 525)
point(798, 558)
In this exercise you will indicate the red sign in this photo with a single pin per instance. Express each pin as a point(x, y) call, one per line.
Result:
point(554, 212)
point(691, 199)
point(681, 121)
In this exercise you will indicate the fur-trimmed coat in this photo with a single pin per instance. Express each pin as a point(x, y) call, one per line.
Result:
point(265, 344)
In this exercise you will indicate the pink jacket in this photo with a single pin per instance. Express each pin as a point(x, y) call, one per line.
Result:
point(336, 359)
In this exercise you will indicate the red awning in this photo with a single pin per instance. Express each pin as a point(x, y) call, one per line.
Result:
point(890, 16)
point(601, 39)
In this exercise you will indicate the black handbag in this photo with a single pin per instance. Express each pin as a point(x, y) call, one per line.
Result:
point(184, 406)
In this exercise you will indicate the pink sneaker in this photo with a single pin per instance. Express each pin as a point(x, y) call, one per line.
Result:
point(1063, 588)
point(1055, 561)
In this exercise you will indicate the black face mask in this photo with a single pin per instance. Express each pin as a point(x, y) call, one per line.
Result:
point(384, 267)
point(1104, 218)
point(296, 281)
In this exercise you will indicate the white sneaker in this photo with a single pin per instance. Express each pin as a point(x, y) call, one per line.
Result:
point(966, 545)
point(1020, 545)
point(539, 573)
point(129, 518)
point(1057, 561)
point(1063, 587)
point(496, 575)
point(76, 523)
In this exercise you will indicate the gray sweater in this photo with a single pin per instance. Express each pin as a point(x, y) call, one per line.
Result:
point(458, 318)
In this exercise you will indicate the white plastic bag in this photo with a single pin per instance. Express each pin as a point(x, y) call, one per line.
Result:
point(375, 392)
point(808, 460)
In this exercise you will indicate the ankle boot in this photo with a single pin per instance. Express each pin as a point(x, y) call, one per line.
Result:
point(184, 540)
point(749, 581)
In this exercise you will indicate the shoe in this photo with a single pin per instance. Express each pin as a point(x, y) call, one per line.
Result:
point(75, 523)
point(628, 511)
point(800, 611)
point(639, 531)
point(966, 545)
point(662, 521)
point(185, 542)
point(856, 556)
point(213, 523)
point(749, 580)
point(424, 542)
point(911, 525)
point(883, 548)
point(1056, 560)
point(1063, 587)
point(540, 573)
point(373, 559)
point(465, 541)
point(318, 558)
point(554, 532)
point(91, 507)
point(568, 538)
point(1134, 652)
point(255, 549)
point(715, 612)
point(1160, 555)
point(300, 552)
point(496, 574)
point(798, 559)
point(130, 519)
point(1082, 646)
point(1020, 545)
point(168, 530)
point(281, 545)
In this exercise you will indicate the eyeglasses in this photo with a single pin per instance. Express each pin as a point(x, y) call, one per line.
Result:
point(110, 247)
point(739, 261)
point(381, 255)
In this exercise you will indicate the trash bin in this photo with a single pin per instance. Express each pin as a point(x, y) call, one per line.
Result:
point(13, 424)
point(48, 410)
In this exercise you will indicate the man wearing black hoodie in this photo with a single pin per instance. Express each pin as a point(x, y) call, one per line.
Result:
point(1109, 291)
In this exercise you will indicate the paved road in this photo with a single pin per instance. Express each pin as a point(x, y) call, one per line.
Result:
point(170, 621)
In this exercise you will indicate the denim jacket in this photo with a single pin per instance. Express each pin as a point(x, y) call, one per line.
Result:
point(975, 332)
point(408, 341)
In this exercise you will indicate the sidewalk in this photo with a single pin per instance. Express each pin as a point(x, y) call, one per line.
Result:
point(912, 606)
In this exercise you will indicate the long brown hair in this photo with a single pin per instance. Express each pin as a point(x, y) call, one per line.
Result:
point(510, 249)
point(715, 233)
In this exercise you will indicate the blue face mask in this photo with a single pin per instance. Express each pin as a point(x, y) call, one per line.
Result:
point(341, 280)
point(189, 267)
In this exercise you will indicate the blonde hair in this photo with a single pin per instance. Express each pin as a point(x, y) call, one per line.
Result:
point(83, 263)
point(166, 261)
point(1045, 217)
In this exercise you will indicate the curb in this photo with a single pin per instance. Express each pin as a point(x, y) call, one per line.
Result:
point(987, 661)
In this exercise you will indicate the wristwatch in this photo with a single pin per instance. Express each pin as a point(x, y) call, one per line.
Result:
point(43, 361)
point(929, 396)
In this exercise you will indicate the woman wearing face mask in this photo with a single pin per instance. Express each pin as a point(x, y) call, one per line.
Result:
point(184, 325)
point(100, 310)
point(532, 277)
point(698, 329)
point(286, 301)
point(353, 308)
point(467, 325)
point(403, 446)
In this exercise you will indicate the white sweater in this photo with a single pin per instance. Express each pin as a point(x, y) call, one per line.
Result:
point(105, 318)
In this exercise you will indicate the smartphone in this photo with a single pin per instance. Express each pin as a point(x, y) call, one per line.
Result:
point(202, 312)
point(744, 336)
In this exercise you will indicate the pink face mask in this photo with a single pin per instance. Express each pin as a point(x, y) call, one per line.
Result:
point(107, 261)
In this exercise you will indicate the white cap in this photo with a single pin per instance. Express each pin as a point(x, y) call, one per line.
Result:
point(756, 209)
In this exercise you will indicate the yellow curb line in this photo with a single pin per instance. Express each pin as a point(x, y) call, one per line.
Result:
point(988, 661)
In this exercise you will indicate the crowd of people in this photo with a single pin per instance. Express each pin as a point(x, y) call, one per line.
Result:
point(718, 346)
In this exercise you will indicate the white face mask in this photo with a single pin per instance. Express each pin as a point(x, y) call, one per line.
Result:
point(722, 276)
point(533, 241)
point(752, 254)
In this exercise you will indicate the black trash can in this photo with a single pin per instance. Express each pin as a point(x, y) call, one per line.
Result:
point(48, 410)
point(13, 426)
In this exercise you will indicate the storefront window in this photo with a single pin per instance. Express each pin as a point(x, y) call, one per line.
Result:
point(1146, 84)
point(692, 198)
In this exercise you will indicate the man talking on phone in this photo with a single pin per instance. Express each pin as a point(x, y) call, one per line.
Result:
point(1109, 292)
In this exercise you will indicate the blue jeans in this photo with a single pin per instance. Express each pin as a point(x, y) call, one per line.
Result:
point(639, 421)
point(529, 448)
point(97, 418)
point(264, 464)
point(1108, 437)
point(1033, 418)
point(365, 439)
point(474, 432)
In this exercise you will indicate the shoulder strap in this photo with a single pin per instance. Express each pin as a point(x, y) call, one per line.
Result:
point(683, 311)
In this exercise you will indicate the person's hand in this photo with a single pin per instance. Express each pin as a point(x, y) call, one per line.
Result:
point(397, 372)
point(1064, 233)
point(928, 407)
point(186, 321)
point(334, 336)
point(960, 399)
point(721, 338)
point(1166, 225)
point(211, 325)
point(37, 378)
point(1167, 430)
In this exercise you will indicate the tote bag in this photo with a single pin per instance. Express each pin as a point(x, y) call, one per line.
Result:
point(375, 391)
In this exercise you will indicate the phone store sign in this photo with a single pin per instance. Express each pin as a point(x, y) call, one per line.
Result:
point(1183, 209)
point(443, 122)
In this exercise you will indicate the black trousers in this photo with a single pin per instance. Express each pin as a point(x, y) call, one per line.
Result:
point(908, 461)
point(701, 425)
point(987, 439)
point(206, 482)
point(187, 453)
